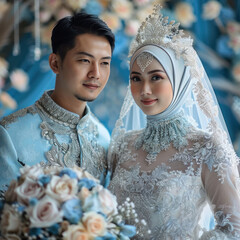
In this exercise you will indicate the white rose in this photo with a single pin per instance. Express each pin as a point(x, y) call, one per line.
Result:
point(29, 189)
point(62, 188)
point(10, 221)
point(32, 171)
point(45, 213)
point(76, 232)
point(108, 201)
point(84, 193)
point(94, 223)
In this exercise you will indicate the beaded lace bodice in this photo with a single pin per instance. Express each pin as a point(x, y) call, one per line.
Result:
point(171, 191)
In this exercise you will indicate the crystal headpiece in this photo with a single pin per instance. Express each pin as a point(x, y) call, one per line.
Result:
point(157, 30)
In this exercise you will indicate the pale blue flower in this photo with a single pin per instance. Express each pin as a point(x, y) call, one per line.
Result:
point(72, 210)
point(92, 203)
point(87, 183)
point(128, 230)
point(68, 172)
point(44, 180)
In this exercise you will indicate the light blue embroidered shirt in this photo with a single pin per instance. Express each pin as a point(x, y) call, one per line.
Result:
point(47, 133)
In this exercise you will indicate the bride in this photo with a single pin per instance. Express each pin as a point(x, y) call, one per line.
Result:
point(170, 152)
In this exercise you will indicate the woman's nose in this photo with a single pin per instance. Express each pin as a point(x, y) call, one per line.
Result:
point(146, 89)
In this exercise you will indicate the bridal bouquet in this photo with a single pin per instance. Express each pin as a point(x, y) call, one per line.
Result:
point(60, 203)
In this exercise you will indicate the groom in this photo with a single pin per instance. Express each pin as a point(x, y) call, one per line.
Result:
point(59, 129)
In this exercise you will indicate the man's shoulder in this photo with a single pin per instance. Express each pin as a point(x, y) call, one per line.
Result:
point(18, 116)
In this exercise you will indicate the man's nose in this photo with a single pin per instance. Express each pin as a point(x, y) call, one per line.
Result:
point(94, 71)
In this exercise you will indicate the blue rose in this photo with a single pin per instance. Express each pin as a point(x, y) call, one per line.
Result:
point(72, 210)
point(87, 183)
point(92, 203)
point(44, 179)
point(107, 236)
point(54, 229)
point(128, 230)
point(35, 231)
point(68, 172)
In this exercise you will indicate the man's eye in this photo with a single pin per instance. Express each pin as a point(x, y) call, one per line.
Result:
point(105, 63)
point(84, 60)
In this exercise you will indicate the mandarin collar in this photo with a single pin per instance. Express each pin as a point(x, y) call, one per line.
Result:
point(59, 114)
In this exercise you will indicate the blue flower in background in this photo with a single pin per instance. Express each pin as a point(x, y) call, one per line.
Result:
point(35, 231)
point(68, 172)
point(87, 183)
point(223, 48)
point(93, 7)
point(226, 15)
point(72, 210)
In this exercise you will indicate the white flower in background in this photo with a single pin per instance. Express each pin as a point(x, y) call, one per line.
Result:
point(76, 232)
point(45, 15)
point(184, 14)
point(144, 12)
point(236, 72)
point(122, 8)
point(234, 43)
point(8, 101)
point(52, 5)
point(4, 6)
point(141, 2)
point(211, 10)
point(62, 12)
point(76, 4)
point(112, 20)
point(46, 33)
point(3, 67)
point(19, 80)
point(132, 27)
point(233, 27)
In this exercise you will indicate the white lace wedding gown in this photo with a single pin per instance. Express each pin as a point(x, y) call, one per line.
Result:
point(171, 189)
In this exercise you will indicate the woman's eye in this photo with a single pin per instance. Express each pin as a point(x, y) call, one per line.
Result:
point(135, 79)
point(155, 78)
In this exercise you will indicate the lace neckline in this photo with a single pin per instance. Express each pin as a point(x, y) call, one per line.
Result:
point(159, 134)
point(59, 114)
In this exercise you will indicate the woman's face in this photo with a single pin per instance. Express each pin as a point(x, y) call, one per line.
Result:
point(151, 89)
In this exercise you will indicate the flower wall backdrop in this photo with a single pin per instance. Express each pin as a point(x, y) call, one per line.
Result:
point(25, 46)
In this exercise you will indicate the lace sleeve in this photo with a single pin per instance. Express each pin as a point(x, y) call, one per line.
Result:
point(224, 199)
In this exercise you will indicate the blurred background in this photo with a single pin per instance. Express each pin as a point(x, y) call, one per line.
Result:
point(25, 31)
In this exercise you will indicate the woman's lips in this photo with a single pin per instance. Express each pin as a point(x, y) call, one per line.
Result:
point(148, 101)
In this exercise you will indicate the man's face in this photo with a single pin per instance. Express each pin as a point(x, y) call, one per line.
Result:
point(85, 70)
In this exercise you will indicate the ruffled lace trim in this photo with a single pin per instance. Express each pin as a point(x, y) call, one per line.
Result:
point(159, 134)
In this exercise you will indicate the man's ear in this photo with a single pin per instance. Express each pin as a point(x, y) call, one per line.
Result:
point(54, 62)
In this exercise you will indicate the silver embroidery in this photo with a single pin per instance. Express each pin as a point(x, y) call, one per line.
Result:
point(144, 60)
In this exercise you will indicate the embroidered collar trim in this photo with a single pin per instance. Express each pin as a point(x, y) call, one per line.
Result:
point(159, 134)
point(59, 114)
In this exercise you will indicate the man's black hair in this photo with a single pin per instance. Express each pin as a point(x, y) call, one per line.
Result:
point(67, 29)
